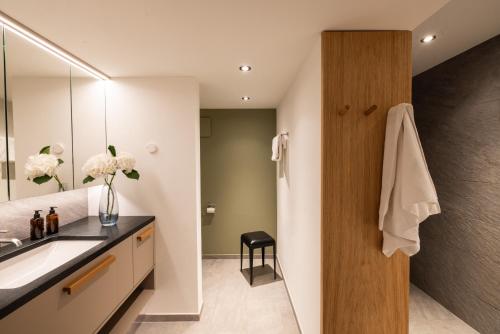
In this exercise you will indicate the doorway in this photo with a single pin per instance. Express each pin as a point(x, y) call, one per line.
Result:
point(238, 178)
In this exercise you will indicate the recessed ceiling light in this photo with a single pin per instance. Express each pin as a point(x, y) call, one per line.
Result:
point(428, 39)
point(245, 98)
point(245, 68)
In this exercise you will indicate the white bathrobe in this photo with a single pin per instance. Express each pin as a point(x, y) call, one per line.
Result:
point(408, 195)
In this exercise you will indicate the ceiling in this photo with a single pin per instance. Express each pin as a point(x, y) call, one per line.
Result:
point(26, 59)
point(459, 25)
point(210, 39)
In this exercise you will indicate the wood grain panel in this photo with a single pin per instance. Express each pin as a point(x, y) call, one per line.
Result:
point(362, 290)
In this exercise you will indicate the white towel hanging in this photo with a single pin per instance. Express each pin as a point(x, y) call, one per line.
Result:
point(408, 195)
point(279, 144)
point(276, 147)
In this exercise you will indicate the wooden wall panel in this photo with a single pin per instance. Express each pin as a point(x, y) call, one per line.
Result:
point(362, 290)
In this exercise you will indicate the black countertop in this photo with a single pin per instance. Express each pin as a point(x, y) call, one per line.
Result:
point(84, 229)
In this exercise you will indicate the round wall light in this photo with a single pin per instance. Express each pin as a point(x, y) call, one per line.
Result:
point(245, 98)
point(245, 68)
point(428, 38)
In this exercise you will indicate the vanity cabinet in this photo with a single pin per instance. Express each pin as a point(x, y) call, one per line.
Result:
point(143, 253)
point(84, 301)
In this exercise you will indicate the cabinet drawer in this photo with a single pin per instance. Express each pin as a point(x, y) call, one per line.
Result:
point(82, 301)
point(143, 252)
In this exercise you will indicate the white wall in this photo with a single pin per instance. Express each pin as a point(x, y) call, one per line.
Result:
point(41, 116)
point(164, 111)
point(299, 192)
point(3, 149)
point(88, 107)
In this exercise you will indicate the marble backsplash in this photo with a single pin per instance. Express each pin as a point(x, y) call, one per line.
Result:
point(15, 215)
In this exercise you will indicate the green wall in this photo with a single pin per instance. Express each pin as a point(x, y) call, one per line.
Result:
point(238, 176)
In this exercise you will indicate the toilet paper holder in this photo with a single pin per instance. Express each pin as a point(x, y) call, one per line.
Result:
point(211, 208)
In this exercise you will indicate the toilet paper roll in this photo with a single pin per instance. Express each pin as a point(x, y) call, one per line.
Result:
point(210, 210)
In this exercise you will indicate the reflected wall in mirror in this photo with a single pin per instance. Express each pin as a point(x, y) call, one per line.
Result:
point(89, 121)
point(38, 94)
point(53, 118)
point(5, 135)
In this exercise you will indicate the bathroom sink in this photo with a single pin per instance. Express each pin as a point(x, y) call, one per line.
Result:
point(28, 266)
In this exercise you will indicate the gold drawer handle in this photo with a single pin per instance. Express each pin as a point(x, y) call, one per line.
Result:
point(146, 234)
point(74, 286)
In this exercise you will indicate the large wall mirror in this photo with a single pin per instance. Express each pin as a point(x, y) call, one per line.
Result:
point(5, 135)
point(49, 107)
point(88, 98)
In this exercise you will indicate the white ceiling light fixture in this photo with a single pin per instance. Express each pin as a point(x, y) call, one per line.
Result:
point(428, 38)
point(245, 68)
point(245, 98)
point(43, 43)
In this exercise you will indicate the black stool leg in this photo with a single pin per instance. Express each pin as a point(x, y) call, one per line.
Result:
point(263, 255)
point(251, 266)
point(274, 259)
point(241, 254)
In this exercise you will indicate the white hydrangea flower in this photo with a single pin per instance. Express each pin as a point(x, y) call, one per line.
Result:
point(125, 161)
point(41, 164)
point(100, 165)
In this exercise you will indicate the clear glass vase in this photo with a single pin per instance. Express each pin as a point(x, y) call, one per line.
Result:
point(108, 206)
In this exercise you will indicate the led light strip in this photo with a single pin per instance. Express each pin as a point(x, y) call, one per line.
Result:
point(36, 39)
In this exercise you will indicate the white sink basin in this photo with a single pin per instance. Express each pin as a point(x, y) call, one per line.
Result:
point(28, 266)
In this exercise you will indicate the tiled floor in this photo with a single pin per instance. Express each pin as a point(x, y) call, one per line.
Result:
point(429, 317)
point(232, 306)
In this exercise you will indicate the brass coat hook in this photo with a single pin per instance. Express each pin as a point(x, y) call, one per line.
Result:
point(371, 109)
point(343, 111)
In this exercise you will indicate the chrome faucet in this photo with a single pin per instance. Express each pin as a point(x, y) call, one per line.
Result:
point(14, 241)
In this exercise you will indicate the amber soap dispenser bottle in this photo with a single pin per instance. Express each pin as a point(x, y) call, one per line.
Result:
point(36, 225)
point(52, 221)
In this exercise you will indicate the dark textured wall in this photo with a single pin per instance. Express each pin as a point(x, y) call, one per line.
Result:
point(457, 110)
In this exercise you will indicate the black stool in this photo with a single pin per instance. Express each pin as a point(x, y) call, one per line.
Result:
point(253, 240)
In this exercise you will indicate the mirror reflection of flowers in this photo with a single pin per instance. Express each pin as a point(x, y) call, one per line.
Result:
point(43, 167)
point(106, 166)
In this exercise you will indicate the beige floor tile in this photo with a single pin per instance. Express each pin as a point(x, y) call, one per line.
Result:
point(427, 316)
point(232, 306)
